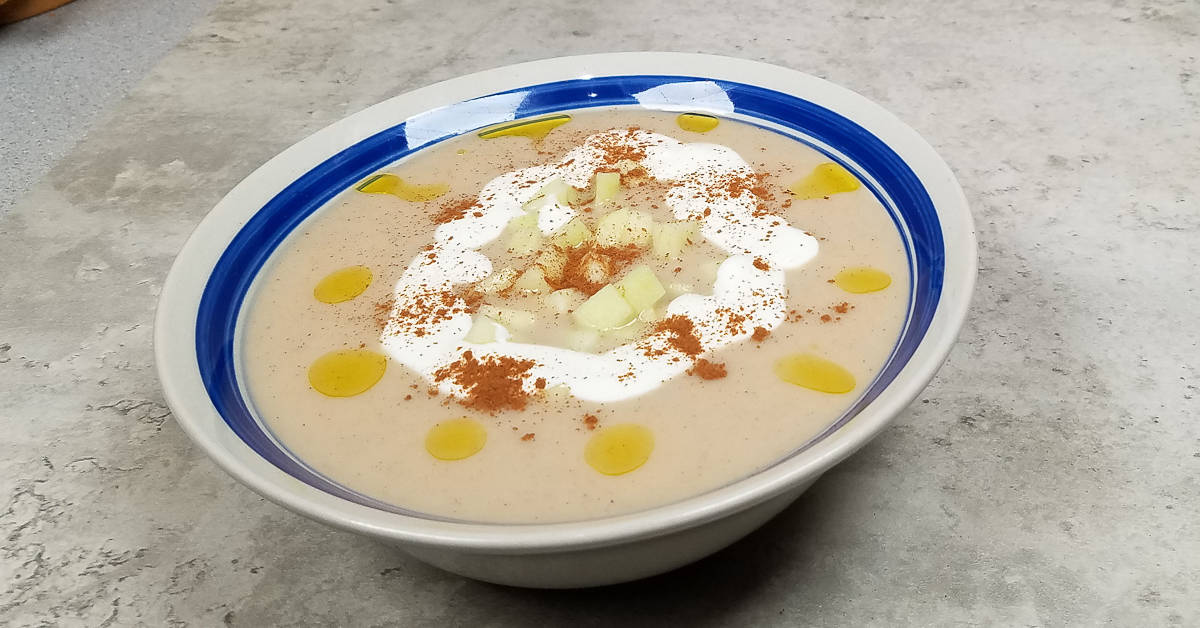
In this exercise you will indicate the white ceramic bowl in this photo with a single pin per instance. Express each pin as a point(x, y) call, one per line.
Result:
point(197, 320)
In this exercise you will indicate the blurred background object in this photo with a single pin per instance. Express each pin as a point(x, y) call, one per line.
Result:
point(13, 10)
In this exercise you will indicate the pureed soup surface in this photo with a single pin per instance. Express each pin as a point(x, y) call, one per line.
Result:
point(575, 318)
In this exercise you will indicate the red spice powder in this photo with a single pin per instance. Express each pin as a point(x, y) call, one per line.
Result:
point(590, 421)
point(682, 336)
point(580, 259)
point(760, 334)
point(455, 209)
point(735, 323)
point(761, 264)
point(408, 397)
point(842, 308)
point(705, 369)
point(540, 383)
point(616, 146)
point(825, 318)
point(493, 383)
point(382, 313)
point(528, 437)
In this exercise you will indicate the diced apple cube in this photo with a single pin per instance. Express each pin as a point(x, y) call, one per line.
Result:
point(560, 393)
point(608, 184)
point(677, 288)
point(606, 309)
point(553, 262)
point(628, 332)
point(532, 280)
point(498, 281)
point(483, 331)
point(524, 237)
point(624, 227)
point(556, 189)
point(585, 340)
point(565, 300)
point(572, 234)
point(669, 239)
point(640, 288)
point(509, 317)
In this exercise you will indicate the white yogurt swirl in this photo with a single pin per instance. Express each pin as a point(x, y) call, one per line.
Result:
point(744, 296)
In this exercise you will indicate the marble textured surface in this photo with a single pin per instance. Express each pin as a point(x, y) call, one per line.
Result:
point(1048, 476)
point(62, 69)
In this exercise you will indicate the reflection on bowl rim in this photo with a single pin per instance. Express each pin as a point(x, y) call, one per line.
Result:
point(188, 301)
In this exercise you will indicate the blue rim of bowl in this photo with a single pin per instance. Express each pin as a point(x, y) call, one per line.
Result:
point(218, 314)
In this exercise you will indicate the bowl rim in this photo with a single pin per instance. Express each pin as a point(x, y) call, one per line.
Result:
point(175, 318)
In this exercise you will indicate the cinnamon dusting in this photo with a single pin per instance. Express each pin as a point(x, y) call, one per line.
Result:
point(491, 384)
point(705, 369)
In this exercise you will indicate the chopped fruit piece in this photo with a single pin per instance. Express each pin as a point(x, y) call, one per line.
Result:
point(343, 285)
point(346, 373)
point(670, 238)
point(585, 340)
point(535, 128)
point(608, 184)
point(509, 317)
point(814, 372)
point(552, 261)
point(524, 237)
point(675, 289)
point(862, 279)
point(826, 180)
point(629, 332)
point(565, 300)
point(641, 288)
point(697, 122)
point(606, 309)
point(498, 281)
point(627, 165)
point(572, 234)
point(594, 268)
point(532, 280)
point(483, 331)
point(394, 185)
point(555, 189)
point(619, 449)
point(558, 394)
point(624, 227)
point(455, 439)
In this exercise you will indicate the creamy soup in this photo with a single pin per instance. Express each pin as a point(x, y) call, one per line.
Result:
point(575, 316)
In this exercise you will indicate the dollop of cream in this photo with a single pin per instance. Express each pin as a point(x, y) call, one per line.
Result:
point(744, 296)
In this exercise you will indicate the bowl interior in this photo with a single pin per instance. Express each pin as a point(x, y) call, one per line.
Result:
point(232, 278)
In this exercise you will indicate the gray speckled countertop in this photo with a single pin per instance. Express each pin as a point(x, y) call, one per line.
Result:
point(1049, 476)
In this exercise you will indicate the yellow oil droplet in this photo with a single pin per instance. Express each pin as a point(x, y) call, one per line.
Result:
point(825, 180)
point(394, 185)
point(461, 151)
point(619, 449)
point(346, 373)
point(343, 285)
point(815, 372)
point(697, 122)
point(862, 279)
point(535, 128)
point(455, 439)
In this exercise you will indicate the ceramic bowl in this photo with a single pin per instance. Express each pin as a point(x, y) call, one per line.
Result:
point(199, 311)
